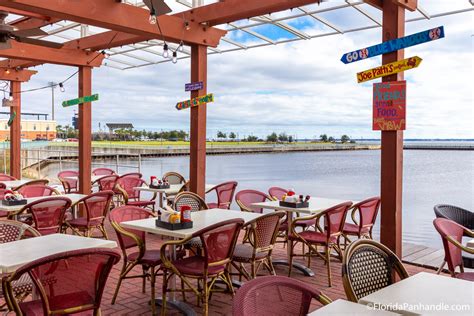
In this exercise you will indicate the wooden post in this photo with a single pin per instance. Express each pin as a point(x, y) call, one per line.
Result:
point(197, 158)
point(15, 130)
point(85, 126)
point(392, 142)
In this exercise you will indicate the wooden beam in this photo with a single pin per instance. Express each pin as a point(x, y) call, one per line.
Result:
point(21, 75)
point(15, 131)
point(23, 13)
point(407, 4)
point(32, 23)
point(391, 177)
point(197, 157)
point(121, 17)
point(233, 10)
point(63, 56)
point(85, 126)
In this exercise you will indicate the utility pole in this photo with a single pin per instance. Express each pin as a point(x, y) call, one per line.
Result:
point(53, 86)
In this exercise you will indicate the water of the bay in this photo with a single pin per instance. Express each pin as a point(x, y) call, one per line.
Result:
point(430, 177)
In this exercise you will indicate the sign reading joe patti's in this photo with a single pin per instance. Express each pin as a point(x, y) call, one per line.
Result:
point(389, 106)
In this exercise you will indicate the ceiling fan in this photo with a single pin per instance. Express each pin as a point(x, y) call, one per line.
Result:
point(8, 33)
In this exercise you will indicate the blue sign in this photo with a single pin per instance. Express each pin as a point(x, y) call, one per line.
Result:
point(193, 86)
point(394, 45)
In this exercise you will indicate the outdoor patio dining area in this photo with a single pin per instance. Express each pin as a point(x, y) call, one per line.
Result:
point(246, 253)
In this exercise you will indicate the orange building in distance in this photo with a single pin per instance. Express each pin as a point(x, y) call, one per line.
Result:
point(30, 129)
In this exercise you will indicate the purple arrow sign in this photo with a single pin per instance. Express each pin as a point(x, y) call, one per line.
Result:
point(193, 86)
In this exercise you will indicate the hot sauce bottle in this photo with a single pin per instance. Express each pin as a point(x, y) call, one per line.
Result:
point(185, 213)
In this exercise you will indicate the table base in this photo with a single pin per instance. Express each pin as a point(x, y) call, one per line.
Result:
point(298, 266)
point(184, 308)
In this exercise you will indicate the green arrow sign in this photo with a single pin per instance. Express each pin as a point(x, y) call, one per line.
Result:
point(81, 100)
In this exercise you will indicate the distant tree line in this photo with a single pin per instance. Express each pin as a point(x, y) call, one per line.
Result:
point(344, 139)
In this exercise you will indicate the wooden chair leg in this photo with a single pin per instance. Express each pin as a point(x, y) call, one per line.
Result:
point(205, 295)
point(152, 281)
point(328, 258)
point(164, 289)
point(290, 263)
point(119, 283)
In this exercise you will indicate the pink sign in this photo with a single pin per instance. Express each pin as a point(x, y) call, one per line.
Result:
point(389, 106)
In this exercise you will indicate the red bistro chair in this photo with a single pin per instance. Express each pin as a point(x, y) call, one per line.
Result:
point(328, 237)
point(126, 187)
point(96, 207)
point(6, 177)
point(2, 194)
point(218, 243)
point(131, 175)
point(107, 183)
point(37, 190)
point(47, 213)
point(451, 235)
point(245, 198)
point(362, 228)
point(133, 246)
point(275, 295)
point(277, 193)
point(103, 172)
point(69, 179)
point(66, 283)
point(225, 194)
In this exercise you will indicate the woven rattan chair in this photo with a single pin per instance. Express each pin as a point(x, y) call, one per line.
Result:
point(69, 179)
point(459, 215)
point(451, 235)
point(362, 228)
point(103, 172)
point(328, 237)
point(47, 214)
point(107, 183)
point(261, 234)
point(43, 182)
point(368, 266)
point(133, 246)
point(66, 283)
point(13, 231)
point(218, 242)
point(189, 198)
point(276, 296)
point(96, 206)
point(6, 177)
point(130, 196)
point(37, 190)
point(225, 194)
point(174, 178)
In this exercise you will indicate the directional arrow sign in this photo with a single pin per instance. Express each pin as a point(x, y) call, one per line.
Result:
point(394, 45)
point(195, 102)
point(389, 69)
point(81, 100)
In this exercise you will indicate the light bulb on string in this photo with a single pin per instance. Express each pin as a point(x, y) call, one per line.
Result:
point(166, 53)
point(175, 57)
point(181, 47)
point(61, 87)
point(152, 18)
point(10, 96)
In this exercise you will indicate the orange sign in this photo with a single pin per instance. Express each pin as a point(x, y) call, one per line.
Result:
point(389, 106)
point(389, 69)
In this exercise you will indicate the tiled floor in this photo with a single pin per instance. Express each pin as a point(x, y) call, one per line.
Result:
point(131, 300)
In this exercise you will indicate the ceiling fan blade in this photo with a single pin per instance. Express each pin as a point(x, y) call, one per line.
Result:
point(29, 32)
point(159, 5)
point(39, 42)
point(5, 45)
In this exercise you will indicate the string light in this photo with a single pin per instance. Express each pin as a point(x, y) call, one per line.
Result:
point(7, 71)
point(181, 47)
point(166, 53)
point(152, 18)
point(106, 55)
point(175, 57)
point(10, 96)
point(61, 87)
point(187, 26)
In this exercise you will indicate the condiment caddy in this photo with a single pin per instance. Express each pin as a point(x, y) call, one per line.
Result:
point(12, 198)
point(173, 220)
point(156, 183)
point(292, 200)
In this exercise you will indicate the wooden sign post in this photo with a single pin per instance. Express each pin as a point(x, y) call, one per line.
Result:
point(389, 69)
point(393, 45)
point(195, 102)
point(389, 106)
point(86, 99)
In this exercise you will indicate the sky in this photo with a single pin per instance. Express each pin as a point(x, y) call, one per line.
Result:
point(300, 88)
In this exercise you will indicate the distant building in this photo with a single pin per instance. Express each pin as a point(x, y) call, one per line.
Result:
point(30, 129)
point(113, 126)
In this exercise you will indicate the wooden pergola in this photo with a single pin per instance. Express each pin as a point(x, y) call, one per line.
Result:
point(129, 24)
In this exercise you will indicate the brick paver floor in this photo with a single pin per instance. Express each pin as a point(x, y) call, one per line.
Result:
point(131, 300)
